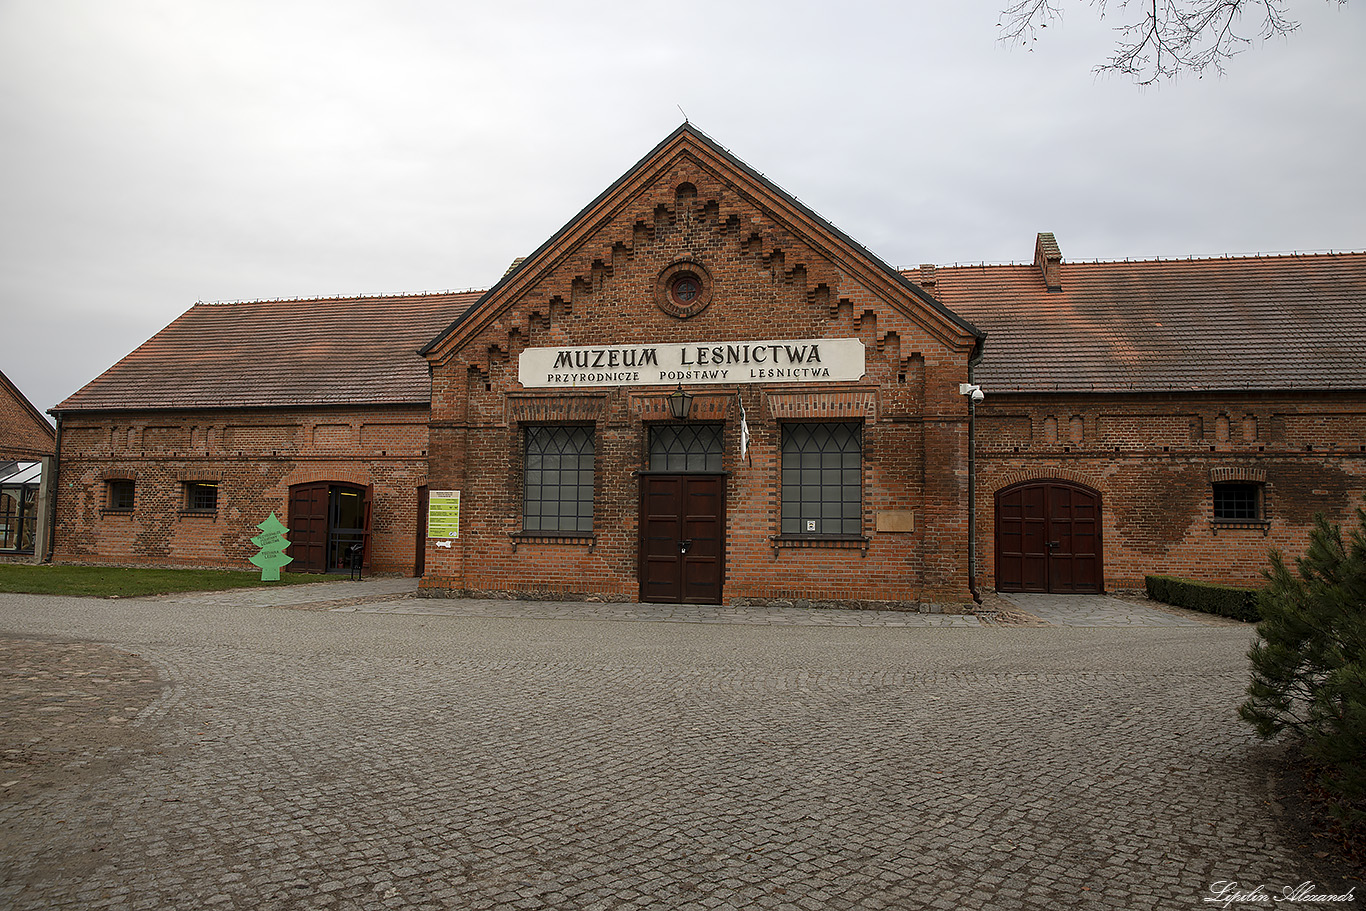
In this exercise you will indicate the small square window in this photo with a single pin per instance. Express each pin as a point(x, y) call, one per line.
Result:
point(201, 496)
point(1240, 502)
point(119, 494)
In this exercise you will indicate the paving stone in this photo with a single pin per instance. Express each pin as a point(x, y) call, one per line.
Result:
point(361, 758)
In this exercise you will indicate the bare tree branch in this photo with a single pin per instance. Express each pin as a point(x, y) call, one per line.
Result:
point(1162, 39)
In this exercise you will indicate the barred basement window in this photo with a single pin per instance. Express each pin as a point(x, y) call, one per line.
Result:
point(685, 447)
point(201, 496)
point(1241, 502)
point(558, 480)
point(118, 494)
point(822, 479)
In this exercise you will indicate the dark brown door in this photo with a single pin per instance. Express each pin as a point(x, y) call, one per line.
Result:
point(324, 521)
point(1048, 538)
point(308, 528)
point(682, 538)
point(420, 552)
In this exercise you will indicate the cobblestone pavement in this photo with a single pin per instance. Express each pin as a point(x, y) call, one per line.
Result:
point(309, 596)
point(1099, 610)
point(297, 759)
point(658, 613)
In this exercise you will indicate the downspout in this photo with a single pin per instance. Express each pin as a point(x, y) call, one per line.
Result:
point(973, 361)
point(972, 496)
point(56, 490)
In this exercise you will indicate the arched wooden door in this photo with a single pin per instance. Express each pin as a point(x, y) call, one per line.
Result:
point(1048, 538)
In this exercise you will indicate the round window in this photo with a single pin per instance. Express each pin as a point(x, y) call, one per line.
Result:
point(684, 289)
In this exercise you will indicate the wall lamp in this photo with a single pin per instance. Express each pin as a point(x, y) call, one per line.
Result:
point(680, 403)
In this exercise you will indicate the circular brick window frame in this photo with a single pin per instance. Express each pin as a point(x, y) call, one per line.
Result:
point(683, 289)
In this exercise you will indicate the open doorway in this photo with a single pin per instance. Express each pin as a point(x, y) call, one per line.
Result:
point(326, 519)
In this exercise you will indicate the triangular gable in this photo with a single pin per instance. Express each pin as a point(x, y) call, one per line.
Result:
point(23, 429)
point(687, 142)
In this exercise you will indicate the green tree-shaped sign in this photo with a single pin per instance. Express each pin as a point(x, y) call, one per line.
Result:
point(272, 542)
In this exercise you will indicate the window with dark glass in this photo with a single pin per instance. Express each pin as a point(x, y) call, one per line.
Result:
point(120, 494)
point(201, 496)
point(558, 480)
point(822, 485)
point(685, 447)
point(1237, 502)
point(17, 518)
point(19, 505)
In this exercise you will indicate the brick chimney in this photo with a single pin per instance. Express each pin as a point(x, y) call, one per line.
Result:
point(1048, 258)
point(928, 281)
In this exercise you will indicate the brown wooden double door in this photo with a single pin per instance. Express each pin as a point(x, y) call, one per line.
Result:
point(682, 537)
point(1048, 538)
point(325, 521)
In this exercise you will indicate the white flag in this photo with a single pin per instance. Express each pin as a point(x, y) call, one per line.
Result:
point(744, 432)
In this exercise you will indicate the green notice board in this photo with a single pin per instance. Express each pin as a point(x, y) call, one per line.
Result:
point(443, 514)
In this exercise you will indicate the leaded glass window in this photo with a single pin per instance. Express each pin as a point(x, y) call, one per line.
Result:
point(685, 447)
point(558, 489)
point(822, 479)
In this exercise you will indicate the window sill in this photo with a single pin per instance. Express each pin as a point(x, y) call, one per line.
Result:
point(1262, 525)
point(579, 539)
point(197, 513)
point(834, 542)
point(116, 511)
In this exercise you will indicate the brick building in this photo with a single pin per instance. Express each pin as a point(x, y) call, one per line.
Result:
point(315, 410)
point(1177, 416)
point(700, 390)
point(551, 406)
point(27, 443)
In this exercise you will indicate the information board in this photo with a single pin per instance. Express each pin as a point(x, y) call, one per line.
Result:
point(443, 514)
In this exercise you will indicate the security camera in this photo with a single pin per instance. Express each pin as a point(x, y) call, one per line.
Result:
point(978, 394)
point(971, 390)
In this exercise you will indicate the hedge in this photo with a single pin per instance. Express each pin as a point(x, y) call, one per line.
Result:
point(1207, 597)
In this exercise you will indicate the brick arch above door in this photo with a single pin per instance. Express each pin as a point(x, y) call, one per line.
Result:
point(1049, 537)
point(337, 473)
point(1024, 475)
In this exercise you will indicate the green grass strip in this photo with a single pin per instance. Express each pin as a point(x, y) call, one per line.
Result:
point(130, 581)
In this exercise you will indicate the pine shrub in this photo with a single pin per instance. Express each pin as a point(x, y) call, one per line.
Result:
point(1309, 661)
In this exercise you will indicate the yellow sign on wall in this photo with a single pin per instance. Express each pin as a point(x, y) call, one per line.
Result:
point(443, 514)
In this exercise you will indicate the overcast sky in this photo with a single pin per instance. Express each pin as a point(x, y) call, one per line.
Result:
point(158, 152)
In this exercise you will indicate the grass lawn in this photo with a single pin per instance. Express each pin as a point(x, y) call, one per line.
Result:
point(130, 581)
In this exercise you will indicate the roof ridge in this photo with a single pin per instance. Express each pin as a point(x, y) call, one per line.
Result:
point(1192, 258)
point(402, 295)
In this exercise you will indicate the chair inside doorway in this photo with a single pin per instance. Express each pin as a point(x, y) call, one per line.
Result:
point(326, 519)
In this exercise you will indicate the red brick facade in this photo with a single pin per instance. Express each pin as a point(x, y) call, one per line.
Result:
point(773, 271)
point(24, 433)
point(254, 457)
point(1146, 388)
point(1155, 458)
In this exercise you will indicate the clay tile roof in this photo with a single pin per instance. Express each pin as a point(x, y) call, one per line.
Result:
point(330, 351)
point(1243, 323)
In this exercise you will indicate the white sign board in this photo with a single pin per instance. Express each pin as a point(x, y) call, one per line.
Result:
point(822, 360)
